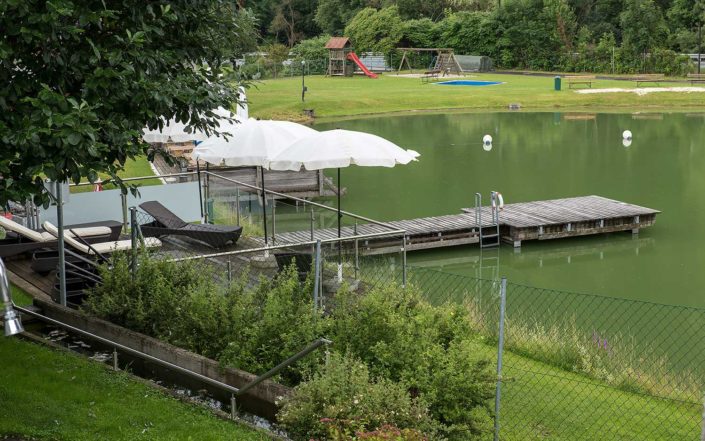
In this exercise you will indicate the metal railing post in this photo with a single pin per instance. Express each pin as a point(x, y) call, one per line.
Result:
point(403, 261)
point(123, 200)
point(230, 273)
point(274, 220)
point(313, 221)
point(500, 350)
point(357, 252)
point(237, 204)
point(233, 406)
point(206, 194)
point(317, 273)
point(60, 243)
point(133, 238)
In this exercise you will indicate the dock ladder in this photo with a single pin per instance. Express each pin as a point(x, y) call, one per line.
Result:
point(489, 234)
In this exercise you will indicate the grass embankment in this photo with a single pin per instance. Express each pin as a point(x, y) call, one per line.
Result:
point(50, 394)
point(134, 168)
point(338, 96)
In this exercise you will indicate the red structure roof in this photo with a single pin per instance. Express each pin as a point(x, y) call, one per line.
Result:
point(338, 43)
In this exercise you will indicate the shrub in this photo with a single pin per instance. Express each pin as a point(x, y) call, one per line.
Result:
point(344, 399)
point(375, 31)
point(405, 339)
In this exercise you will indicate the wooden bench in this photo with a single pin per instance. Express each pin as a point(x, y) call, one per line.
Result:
point(696, 78)
point(586, 80)
point(430, 74)
point(649, 78)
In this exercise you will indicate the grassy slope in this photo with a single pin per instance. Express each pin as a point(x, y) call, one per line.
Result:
point(133, 169)
point(336, 96)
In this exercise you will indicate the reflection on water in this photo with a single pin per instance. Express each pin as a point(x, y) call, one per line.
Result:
point(537, 156)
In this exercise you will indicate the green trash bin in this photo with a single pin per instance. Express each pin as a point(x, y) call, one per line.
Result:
point(557, 83)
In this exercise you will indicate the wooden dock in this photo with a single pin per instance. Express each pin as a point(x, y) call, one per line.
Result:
point(538, 220)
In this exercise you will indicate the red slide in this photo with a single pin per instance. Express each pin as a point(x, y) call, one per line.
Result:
point(363, 68)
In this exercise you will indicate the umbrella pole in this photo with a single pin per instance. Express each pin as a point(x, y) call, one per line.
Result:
point(340, 243)
point(264, 208)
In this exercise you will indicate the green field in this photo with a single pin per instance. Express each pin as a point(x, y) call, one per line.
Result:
point(340, 96)
point(134, 168)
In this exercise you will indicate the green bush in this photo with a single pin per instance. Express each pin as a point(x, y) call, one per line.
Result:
point(344, 399)
point(404, 339)
point(374, 30)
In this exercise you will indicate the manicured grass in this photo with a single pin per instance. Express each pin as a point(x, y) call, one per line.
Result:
point(542, 402)
point(48, 394)
point(20, 297)
point(338, 96)
point(133, 168)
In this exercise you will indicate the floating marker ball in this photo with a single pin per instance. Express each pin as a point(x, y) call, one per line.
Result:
point(487, 140)
point(627, 134)
point(626, 142)
point(487, 147)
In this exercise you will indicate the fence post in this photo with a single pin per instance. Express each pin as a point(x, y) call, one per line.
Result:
point(403, 262)
point(313, 221)
point(133, 239)
point(230, 273)
point(702, 431)
point(123, 199)
point(500, 350)
point(317, 273)
point(237, 206)
point(274, 220)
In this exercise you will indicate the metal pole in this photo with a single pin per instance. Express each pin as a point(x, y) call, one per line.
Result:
point(403, 262)
point(274, 220)
point(264, 208)
point(357, 252)
point(123, 199)
point(237, 204)
point(500, 350)
point(206, 194)
point(340, 243)
point(62, 256)
point(700, 42)
point(303, 81)
point(200, 195)
point(230, 272)
point(133, 238)
point(317, 274)
point(313, 220)
point(233, 406)
point(115, 359)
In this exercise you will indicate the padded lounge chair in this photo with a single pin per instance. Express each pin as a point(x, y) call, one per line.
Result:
point(96, 249)
point(22, 239)
point(166, 222)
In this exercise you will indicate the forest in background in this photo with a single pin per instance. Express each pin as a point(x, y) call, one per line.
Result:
point(619, 36)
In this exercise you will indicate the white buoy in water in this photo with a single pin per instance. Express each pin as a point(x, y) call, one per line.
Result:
point(487, 140)
point(626, 142)
point(627, 134)
point(487, 147)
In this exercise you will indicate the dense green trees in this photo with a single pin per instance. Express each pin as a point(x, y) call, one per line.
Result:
point(80, 79)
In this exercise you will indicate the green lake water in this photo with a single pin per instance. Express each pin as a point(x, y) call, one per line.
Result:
point(545, 156)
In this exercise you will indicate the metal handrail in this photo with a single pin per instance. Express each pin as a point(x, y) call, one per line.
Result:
point(235, 391)
point(294, 198)
point(297, 244)
point(138, 178)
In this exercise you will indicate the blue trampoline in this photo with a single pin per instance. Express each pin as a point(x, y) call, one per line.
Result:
point(468, 83)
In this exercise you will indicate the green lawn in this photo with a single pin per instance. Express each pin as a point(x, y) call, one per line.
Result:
point(339, 96)
point(133, 168)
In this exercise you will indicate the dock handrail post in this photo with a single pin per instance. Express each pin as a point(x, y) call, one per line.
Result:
point(207, 193)
point(317, 274)
point(403, 261)
point(237, 204)
point(500, 350)
point(478, 214)
point(133, 240)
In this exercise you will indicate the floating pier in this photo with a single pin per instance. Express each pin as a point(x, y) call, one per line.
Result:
point(538, 220)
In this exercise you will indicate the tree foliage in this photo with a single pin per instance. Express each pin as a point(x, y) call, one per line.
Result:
point(80, 79)
point(375, 30)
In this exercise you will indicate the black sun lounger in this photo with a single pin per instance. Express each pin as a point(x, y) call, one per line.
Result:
point(166, 223)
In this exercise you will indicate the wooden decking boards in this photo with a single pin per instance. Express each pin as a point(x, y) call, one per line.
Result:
point(536, 220)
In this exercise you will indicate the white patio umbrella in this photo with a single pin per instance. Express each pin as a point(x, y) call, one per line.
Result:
point(253, 143)
point(174, 131)
point(341, 148)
